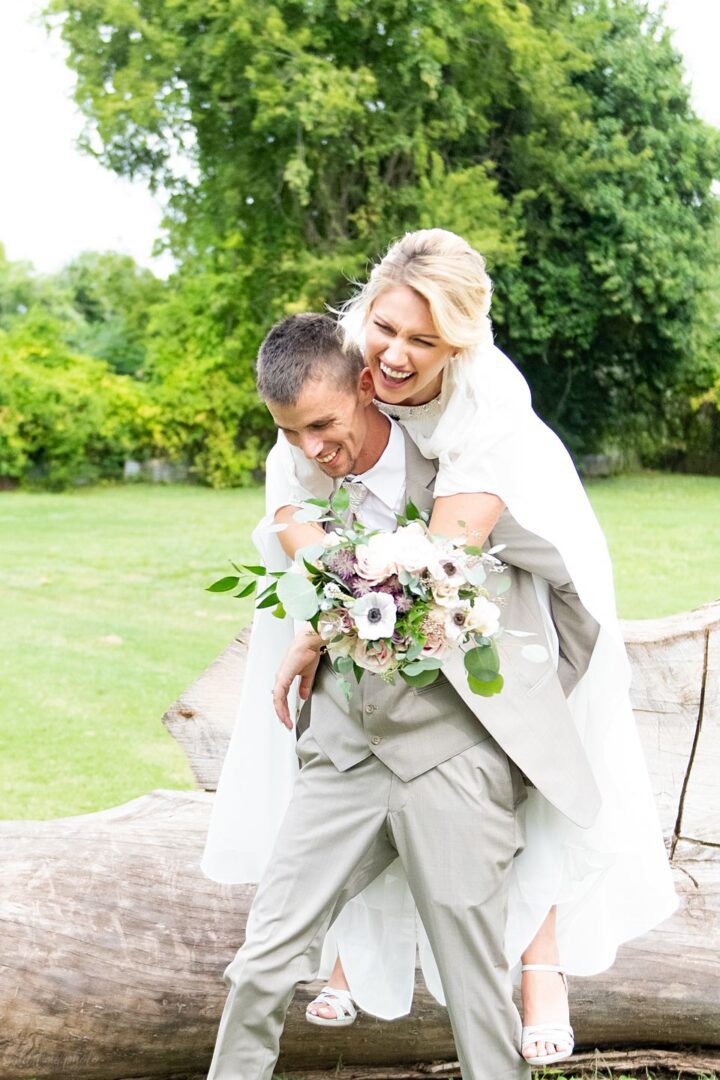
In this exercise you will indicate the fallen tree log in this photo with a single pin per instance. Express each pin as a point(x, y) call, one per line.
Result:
point(113, 943)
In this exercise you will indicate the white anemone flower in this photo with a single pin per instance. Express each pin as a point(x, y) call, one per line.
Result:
point(455, 621)
point(374, 615)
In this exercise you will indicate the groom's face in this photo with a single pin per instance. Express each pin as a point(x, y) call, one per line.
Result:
point(328, 422)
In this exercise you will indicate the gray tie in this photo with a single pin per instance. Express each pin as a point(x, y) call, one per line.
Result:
point(357, 493)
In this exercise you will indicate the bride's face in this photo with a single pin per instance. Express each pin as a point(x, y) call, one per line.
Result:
point(403, 349)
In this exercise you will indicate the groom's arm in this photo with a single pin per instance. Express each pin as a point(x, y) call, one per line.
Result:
point(576, 628)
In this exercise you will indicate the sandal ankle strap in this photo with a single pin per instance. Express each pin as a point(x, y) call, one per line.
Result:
point(546, 967)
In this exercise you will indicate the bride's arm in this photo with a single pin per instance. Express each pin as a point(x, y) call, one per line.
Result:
point(472, 514)
point(285, 490)
point(296, 534)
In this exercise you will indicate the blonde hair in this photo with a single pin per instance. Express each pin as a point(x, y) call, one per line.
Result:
point(447, 272)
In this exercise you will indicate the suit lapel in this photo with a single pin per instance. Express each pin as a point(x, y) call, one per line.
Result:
point(420, 473)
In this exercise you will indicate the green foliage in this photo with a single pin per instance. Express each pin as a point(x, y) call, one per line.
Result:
point(606, 309)
point(65, 418)
point(557, 137)
point(114, 298)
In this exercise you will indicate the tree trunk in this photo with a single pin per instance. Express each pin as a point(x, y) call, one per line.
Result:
point(113, 943)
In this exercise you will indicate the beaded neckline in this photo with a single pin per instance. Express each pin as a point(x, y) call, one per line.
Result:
point(407, 412)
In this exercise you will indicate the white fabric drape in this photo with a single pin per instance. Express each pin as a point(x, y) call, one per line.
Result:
point(611, 882)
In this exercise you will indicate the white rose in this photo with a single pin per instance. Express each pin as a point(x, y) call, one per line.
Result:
point(374, 616)
point(375, 560)
point(483, 617)
point(379, 659)
point(413, 550)
point(333, 624)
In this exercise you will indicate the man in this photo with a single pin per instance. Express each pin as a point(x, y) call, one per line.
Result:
point(423, 775)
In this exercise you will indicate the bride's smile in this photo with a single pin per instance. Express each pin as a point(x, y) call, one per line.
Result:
point(403, 350)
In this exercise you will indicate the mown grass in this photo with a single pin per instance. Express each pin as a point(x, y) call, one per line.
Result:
point(105, 619)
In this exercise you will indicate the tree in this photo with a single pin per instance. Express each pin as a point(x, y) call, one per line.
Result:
point(556, 136)
point(114, 298)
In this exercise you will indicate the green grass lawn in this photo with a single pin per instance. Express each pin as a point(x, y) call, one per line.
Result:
point(664, 536)
point(104, 622)
point(105, 619)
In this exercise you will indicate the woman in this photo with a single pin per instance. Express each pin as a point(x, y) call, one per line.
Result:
point(422, 320)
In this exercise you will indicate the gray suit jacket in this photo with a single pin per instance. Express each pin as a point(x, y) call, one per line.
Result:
point(412, 731)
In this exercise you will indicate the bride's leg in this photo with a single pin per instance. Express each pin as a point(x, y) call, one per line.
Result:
point(543, 992)
point(338, 981)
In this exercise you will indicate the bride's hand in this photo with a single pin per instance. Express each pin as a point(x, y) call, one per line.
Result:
point(302, 658)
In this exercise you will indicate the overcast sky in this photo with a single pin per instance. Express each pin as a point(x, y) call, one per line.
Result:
point(56, 202)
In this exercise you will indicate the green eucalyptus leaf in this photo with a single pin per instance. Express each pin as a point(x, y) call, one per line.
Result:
point(476, 575)
point(425, 678)
point(415, 649)
point(297, 596)
point(482, 662)
point(340, 500)
point(343, 665)
point(485, 688)
point(307, 513)
point(310, 552)
point(431, 663)
point(246, 591)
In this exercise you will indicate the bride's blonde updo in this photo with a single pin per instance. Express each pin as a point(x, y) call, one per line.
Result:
point(445, 271)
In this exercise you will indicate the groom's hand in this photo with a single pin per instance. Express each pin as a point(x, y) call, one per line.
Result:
point(302, 658)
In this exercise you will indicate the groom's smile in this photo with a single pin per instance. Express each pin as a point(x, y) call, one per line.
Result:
point(339, 429)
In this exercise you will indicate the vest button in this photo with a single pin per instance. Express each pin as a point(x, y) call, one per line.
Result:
point(370, 708)
point(375, 740)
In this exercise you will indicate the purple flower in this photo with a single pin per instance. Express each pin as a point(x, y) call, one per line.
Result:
point(342, 563)
point(391, 585)
point(403, 604)
point(358, 586)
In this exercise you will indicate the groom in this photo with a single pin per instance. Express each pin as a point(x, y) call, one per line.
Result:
point(432, 776)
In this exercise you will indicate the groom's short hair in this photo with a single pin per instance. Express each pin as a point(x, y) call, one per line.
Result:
point(302, 348)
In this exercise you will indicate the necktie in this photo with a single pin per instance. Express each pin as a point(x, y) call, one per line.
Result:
point(357, 493)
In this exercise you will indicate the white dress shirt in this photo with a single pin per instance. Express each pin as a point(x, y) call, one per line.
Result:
point(385, 483)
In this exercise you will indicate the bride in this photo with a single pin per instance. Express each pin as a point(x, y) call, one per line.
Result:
point(422, 321)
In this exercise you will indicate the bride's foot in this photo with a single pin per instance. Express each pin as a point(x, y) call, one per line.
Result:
point(546, 1015)
point(333, 1005)
point(332, 1008)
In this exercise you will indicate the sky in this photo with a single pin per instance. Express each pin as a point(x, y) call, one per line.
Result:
point(56, 202)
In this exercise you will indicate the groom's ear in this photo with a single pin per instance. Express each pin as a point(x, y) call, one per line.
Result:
point(365, 387)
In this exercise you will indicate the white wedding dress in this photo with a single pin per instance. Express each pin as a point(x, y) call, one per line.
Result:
point(611, 882)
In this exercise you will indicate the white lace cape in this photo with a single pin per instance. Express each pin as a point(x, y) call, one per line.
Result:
point(611, 882)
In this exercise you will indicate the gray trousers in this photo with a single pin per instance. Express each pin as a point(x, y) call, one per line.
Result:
point(456, 829)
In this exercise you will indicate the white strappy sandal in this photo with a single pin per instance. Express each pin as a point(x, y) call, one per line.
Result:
point(548, 1032)
point(340, 1001)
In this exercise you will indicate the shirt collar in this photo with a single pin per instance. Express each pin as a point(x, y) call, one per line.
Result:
point(386, 478)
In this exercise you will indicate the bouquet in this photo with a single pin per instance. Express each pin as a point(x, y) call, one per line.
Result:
point(390, 603)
